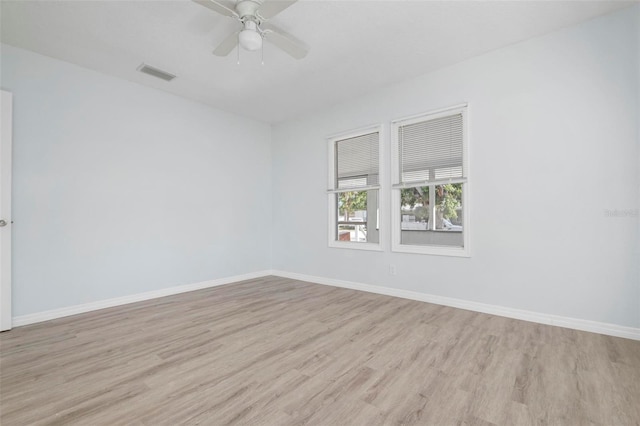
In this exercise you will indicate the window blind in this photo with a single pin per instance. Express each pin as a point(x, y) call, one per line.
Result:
point(357, 162)
point(432, 151)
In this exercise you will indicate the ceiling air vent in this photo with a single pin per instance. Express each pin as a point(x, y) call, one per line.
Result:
point(156, 72)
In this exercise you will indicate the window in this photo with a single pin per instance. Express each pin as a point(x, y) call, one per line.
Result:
point(430, 191)
point(354, 187)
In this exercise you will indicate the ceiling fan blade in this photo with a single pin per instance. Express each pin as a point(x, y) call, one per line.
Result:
point(285, 41)
point(227, 45)
point(271, 8)
point(223, 7)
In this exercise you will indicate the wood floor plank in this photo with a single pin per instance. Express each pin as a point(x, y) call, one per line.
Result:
point(275, 351)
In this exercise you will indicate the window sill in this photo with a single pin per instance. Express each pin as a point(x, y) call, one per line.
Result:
point(355, 246)
point(448, 231)
point(432, 250)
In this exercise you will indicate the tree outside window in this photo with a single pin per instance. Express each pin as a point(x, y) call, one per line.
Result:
point(448, 203)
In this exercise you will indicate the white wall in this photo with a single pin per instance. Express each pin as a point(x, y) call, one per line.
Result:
point(120, 189)
point(553, 143)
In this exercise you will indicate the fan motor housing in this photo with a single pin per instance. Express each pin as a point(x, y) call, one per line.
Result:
point(247, 8)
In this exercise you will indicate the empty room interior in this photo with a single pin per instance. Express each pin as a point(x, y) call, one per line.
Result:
point(281, 212)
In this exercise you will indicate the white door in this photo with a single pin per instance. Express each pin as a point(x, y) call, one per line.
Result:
point(5, 209)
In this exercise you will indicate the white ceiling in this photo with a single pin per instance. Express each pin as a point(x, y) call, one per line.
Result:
point(355, 46)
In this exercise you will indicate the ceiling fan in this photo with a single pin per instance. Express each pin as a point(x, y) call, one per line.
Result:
point(253, 14)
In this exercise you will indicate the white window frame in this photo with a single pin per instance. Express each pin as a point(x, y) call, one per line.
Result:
point(396, 231)
point(331, 192)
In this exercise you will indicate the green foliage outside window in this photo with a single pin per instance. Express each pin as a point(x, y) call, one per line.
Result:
point(352, 201)
point(448, 200)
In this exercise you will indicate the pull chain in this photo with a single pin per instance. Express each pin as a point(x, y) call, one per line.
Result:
point(238, 49)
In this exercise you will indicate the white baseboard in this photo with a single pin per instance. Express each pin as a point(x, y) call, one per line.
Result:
point(560, 321)
point(109, 303)
point(549, 319)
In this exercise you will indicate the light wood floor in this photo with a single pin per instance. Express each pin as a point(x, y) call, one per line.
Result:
point(274, 351)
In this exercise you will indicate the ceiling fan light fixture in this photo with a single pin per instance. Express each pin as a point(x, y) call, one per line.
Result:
point(253, 14)
point(250, 39)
